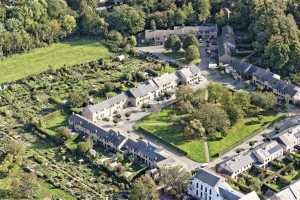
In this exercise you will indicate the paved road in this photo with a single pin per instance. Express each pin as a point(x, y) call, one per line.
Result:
point(259, 138)
point(126, 127)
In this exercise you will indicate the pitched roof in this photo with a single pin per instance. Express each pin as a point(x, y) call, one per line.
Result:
point(146, 149)
point(238, 162)
point(110, 136)
point(164, 79)
point(208, 177)
point(149, 34)
point(288, 139)
point(250, 196)
point(142, 89)
point(268, 150)
point(107, 103)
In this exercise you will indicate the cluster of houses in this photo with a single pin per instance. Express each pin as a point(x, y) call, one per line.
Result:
point(117, 142)
point(259, 77)
point(144, 93)
point(292, 192)
point(282, 143)
point(158, 37)
point(206, 185)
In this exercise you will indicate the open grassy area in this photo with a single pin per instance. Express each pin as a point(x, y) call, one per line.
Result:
point(240, 132)
point(38, 60)
point(161, 125)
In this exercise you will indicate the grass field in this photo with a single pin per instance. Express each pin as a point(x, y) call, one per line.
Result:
point(38, 60)
point(240, 132)
point(161, 125)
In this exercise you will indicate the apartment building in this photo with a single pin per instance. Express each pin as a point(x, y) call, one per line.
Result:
point(190, 75)
point(158, 37)
point(144, 93)
point(106, 108)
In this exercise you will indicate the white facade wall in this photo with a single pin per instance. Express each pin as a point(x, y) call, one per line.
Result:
point(203, 191)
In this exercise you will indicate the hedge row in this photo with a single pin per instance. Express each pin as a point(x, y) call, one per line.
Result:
point(161, 140)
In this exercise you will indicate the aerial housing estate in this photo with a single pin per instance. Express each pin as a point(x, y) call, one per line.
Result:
point(261, 78)
point(143, 93)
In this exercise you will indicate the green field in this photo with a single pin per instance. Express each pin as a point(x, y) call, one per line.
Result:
point(38, 60)
point(240, 132)
point(160, 125)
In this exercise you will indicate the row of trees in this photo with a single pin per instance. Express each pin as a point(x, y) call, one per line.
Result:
point(216, 109)
point(31, 24)
point(273, 26)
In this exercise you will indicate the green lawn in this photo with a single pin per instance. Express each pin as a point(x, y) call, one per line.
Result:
point(239, 133)
point(38, 60)
point(54, 119)
point(161, 125)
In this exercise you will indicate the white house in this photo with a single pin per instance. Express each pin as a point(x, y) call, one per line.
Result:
point(190, 75)
point(166, 83)
point(142, 94)
point(268, 153)
point(206, 185)
point(288, 140)
point(105, 108)
point(237, 165)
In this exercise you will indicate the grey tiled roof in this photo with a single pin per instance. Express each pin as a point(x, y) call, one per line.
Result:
point(142, 89)
point(109, 136)
point(238, 162)
point(146, 149)
point(107, 103)
point(208, 177)
point(229, 194)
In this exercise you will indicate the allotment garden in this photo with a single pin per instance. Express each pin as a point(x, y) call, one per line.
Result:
point(33, 117)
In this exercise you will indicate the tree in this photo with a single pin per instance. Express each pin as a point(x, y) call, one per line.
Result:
point(190, 40)
point(192, 53)
point(173, 42)
point(242, 99)
point(184, 93)
point(76, 99)
point(144, 189)
point(194, 128)
point(175, 178)
point(132, 41)
point(213, 118)
point(126, 19)
point(234, 113)
point(277, 53)
point(204, 9)
point(180, 17)
point(265, 100)
point(220, 18)
point(84, 146)
point(116, 37)
point(69, 24)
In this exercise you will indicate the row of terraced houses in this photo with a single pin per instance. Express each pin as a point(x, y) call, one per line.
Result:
point(263, 79)
point(144, 93)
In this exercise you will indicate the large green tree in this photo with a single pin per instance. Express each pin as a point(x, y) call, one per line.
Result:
point(144, 188)
point(126, 19)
